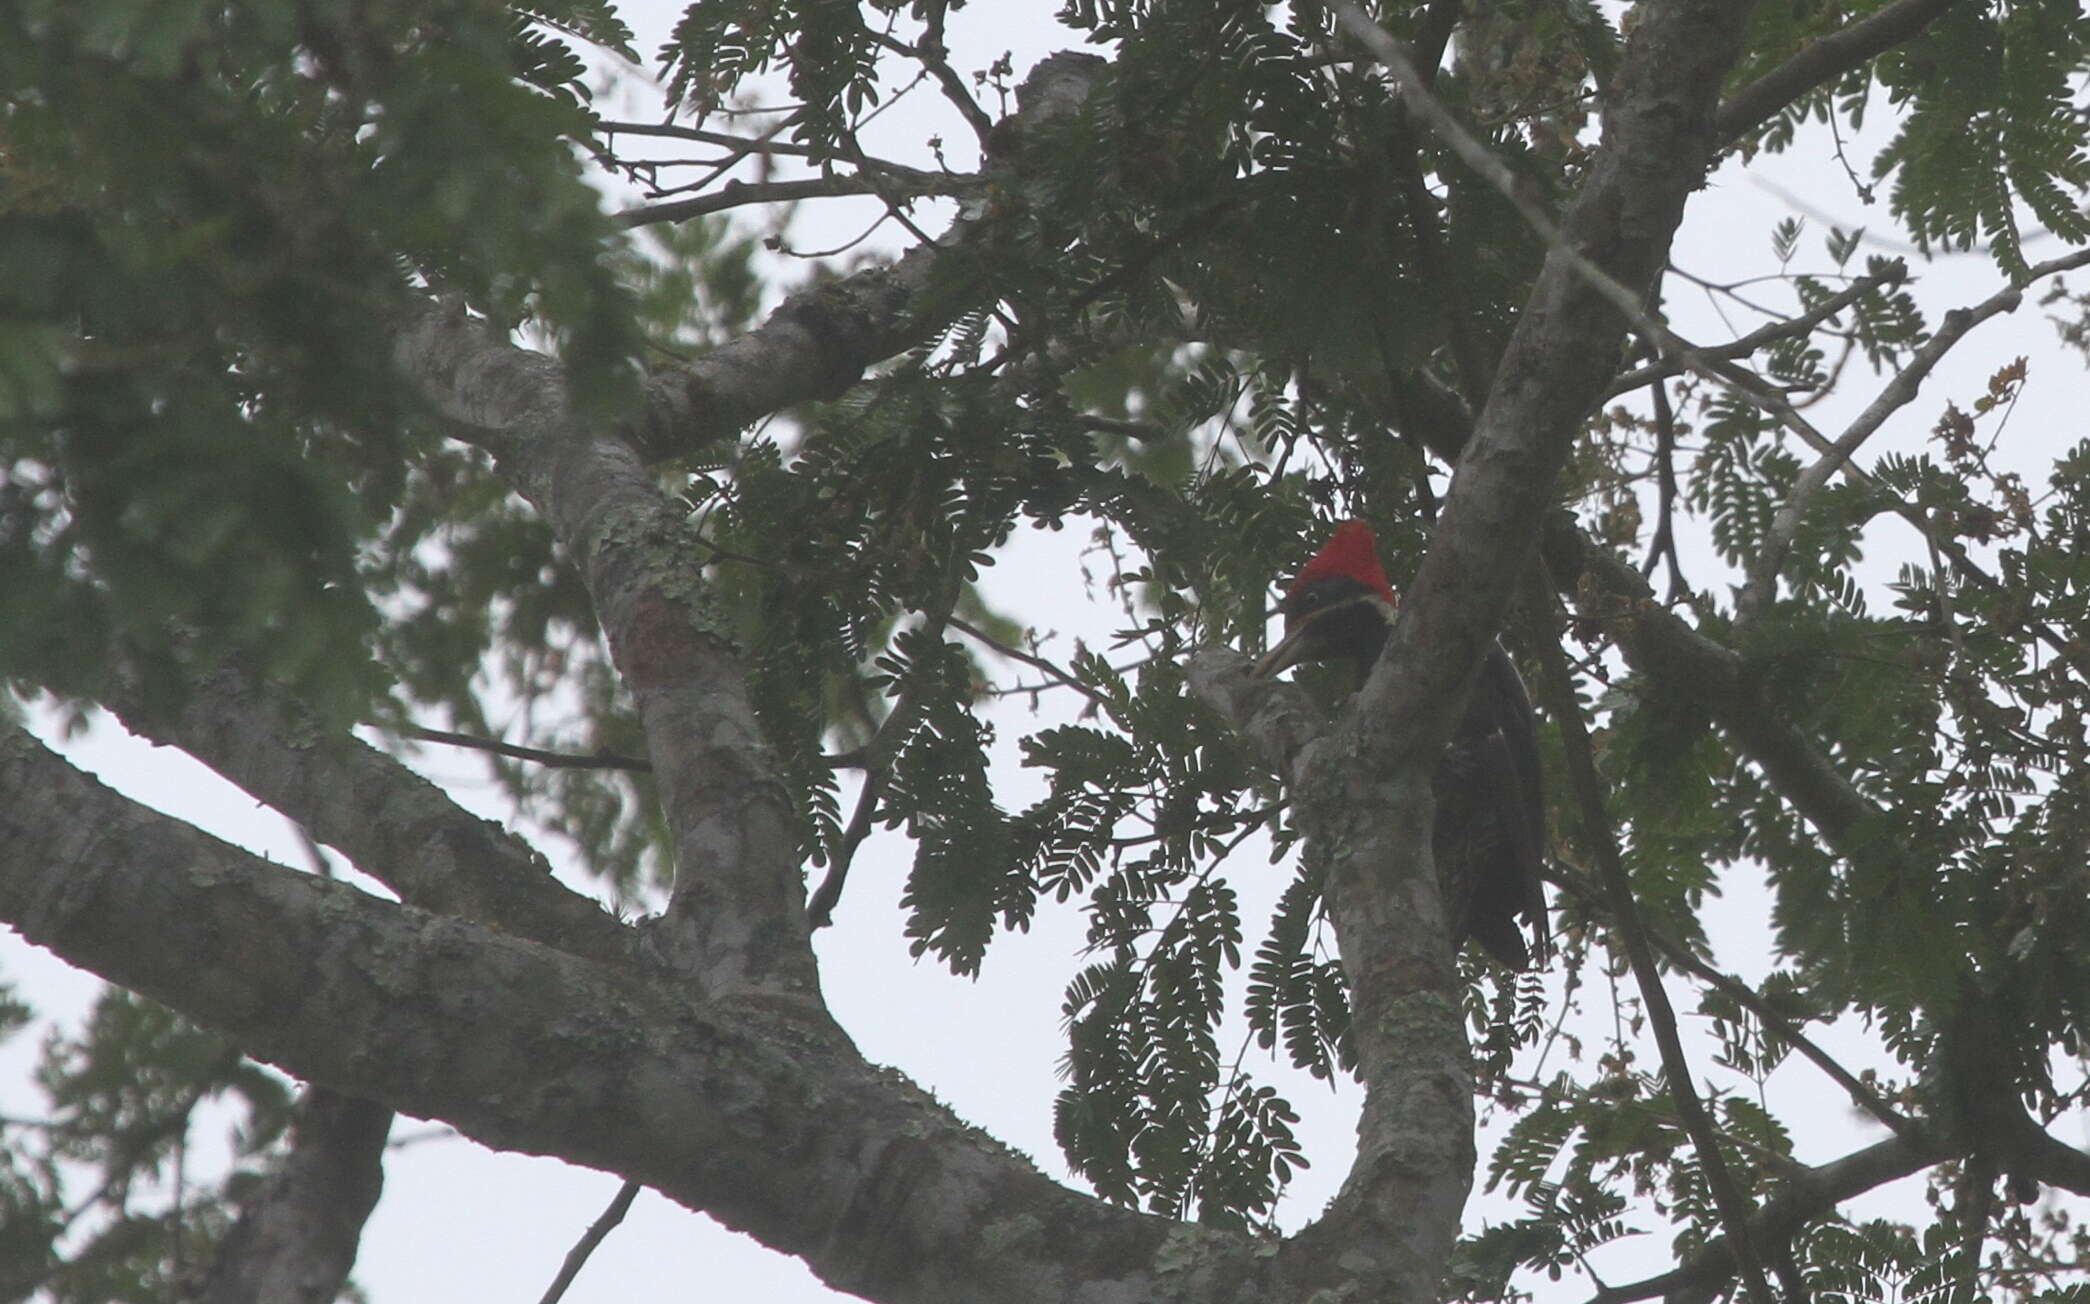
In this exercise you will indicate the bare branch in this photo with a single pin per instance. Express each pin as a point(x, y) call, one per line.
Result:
point(704, 136)
point(934, 55)
point(1049, 669)
point(1762, 584)
point(739, 194)
point(536, 755)
point(2036, 1154)
point(1763, 336)
point(577, 1257)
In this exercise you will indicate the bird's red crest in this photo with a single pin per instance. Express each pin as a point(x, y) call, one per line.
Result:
point(1350, 553)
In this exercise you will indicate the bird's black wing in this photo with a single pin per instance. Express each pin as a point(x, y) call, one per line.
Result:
point(1490, 834)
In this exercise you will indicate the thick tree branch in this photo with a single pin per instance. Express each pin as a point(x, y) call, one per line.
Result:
point(755, 1111)
point(737, 915)
point(1655, 150)
point(1658, 643)
point(395, 825)
point(1822, 62)
point(736, 918)
point(823, 339)
point(296, 1237)
point(2033, 1152)
point(1398, 1212)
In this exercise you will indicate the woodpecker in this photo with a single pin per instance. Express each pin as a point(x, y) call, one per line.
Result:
point(1490, 834)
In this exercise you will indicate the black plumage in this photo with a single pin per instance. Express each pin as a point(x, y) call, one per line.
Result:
point(1489, 838)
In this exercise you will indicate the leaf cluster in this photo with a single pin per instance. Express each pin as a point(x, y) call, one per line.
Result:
point(213, 218)
point(104, 1165)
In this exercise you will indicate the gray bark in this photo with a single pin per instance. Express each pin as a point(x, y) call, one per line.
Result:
point(296, 1239)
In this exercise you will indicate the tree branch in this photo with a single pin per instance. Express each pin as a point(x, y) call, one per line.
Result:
point(739, 194)
point(1763, 336)
point(878, 757)
point(934, 56)
point(1762, 584)
point(577, 1257)
point(1655, 151)
point(1656, 642)
point(1805, 1196)
point(1364, 791)
point(737, 914)
point(1731, 1205)
point(1823, 61)
point(793, 1138)
point(1398, 1213)
point(535, 755)
point(395, 825)
point(823, 339)
point(296, 1237)
point(736, 917)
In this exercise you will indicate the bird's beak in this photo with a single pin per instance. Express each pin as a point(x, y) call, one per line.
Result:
point(1298, 643)
point(1289, 652)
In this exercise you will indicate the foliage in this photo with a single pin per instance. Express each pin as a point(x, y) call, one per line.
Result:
point(1236, 296)
point(105, 1163)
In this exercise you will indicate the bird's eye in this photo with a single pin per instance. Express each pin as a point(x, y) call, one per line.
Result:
point(1319, 597)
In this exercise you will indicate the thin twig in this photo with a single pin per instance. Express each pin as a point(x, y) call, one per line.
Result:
point(878, 756)
point(1762, 583)
point(1742, 994)
point(674, 131)
point(932, 54)
point(585, 1246)
point(1835, 456)
point(1663, 546)
point(738, 154)
point(738, 194)
point(557, 760)
point(1050, 670)
point(763, 144)
point(1765, 335)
